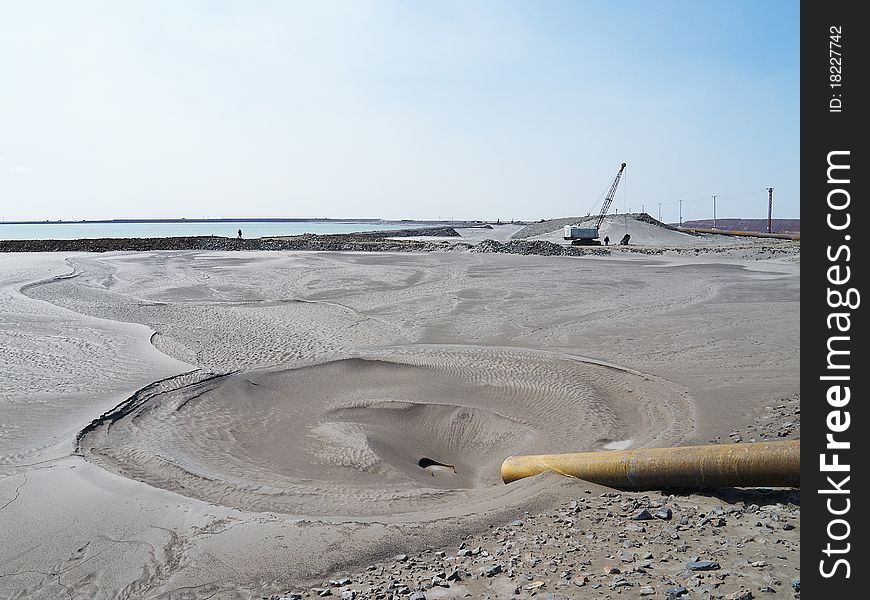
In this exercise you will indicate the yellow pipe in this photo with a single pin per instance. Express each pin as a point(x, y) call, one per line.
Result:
point(765, 464)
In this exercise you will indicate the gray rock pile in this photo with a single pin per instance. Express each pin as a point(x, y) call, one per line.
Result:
point(373, 241)
point(545, 227)
point(779, 421)
point(737, 544)
point(538, 247)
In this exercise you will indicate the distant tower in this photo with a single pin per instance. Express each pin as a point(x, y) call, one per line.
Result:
point(714, 211)
point(769, 210)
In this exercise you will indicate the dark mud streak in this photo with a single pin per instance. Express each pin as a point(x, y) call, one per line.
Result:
point(194, 397)
point(139, 398)
point(71, 275)
point(17, 492)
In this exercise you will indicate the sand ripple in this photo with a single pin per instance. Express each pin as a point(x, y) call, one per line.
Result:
point(404, 430)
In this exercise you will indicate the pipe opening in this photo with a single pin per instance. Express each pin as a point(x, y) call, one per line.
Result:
point(433, 466)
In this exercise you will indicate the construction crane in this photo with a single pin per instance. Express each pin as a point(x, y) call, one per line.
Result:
point(588, 236)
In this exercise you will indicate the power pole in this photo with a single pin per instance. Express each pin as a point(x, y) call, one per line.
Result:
point(769, 209)
point(714, 211)
point(641, 209)
point(660, 211)
point(681, 213)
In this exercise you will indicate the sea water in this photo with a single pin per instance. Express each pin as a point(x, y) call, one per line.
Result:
point(250, 229)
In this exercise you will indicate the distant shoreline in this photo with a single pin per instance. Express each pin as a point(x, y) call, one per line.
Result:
point(233, 220)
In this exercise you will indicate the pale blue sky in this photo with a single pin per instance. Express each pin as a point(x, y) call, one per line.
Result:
point(424, 109)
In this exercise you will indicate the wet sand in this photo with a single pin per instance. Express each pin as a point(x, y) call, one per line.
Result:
point(319, 411)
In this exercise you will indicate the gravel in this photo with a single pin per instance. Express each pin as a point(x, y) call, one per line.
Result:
point(592, 542)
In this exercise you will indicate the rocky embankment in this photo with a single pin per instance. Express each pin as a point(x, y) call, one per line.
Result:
point(538, 247)
point(730, 544)
point(371, 241)
point(547, 226)
point(781, 421)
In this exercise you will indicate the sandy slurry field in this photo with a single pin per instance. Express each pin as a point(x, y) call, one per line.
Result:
point(304, 414)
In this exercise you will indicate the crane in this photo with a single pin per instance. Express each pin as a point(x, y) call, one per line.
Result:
point(584, 236)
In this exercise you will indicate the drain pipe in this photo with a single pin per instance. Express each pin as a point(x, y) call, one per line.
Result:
point(760, 464)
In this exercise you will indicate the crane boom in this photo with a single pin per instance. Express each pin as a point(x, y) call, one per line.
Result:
point(607, 201)
point(582, 235)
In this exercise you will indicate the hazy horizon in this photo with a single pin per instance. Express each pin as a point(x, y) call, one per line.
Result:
point(397, 110)
point(266, 218)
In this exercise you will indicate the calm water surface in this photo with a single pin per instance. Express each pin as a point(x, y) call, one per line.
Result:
point(253, 229)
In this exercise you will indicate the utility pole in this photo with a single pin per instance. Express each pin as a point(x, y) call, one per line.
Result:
point(769, 209)
point(681, 213)
point(714, 211)
point(660, 211)
point(641, 209)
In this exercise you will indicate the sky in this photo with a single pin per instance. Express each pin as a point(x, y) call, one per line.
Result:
point(462, 109)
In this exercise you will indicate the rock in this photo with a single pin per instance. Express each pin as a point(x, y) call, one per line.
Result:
point(440, 554)
point(491, 571)
point(340, 582)
point(642, 515)
point(517, 523)
point(620, 582)
point(675, 592)
point(702, 565)
point(664, 514)
point(741, 595)
point(647, 591)
point(626, 556)
point(400, 558)
point(348, 595)
point(454, 575)
point(418, 596)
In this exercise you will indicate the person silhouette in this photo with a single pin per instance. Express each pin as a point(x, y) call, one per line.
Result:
point(606, 240)
point(240, 234)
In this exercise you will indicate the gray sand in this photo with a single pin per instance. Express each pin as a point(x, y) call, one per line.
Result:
point(337, 373)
